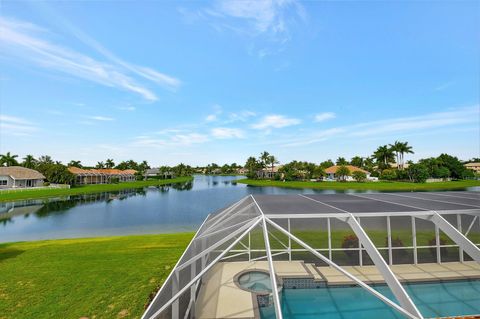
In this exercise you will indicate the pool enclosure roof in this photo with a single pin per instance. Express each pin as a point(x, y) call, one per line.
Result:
point(223, 236)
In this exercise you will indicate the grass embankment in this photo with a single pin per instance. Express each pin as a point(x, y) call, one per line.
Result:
point(85, 189)
point(94, 278)
point(380, 186)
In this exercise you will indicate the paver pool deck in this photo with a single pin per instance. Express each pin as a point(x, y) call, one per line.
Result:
point(220, 297)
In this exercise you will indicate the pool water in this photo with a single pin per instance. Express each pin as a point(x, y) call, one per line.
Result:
point(432, 299)
point(255, 281)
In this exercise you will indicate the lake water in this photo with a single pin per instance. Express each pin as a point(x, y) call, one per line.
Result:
point(172, 208)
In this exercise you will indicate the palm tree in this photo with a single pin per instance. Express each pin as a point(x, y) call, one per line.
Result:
point(397, 147)
point(29, 161)
point(341, 161)
point(404, 149)
point(384, 155)
point(75, 164)
point(45, 159)
point(272, 160)
point(8, 159)
point(100, 165)
point(357, 161)
point(109, 163)
point(264, 158)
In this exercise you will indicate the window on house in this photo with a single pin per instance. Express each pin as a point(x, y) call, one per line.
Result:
point(3, 182)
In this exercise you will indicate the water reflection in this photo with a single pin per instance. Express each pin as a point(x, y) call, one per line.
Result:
point(166, 208)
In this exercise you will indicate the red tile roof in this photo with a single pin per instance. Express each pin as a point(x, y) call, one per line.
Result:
point(333, 169)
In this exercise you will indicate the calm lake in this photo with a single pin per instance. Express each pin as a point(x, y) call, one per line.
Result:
point(172, 208)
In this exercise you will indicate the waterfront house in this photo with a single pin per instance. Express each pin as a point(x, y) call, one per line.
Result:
point(268, 172)
point(20, 177)
point(473, 166)
point(331, 172)
point(155, 172)
point(101, 176)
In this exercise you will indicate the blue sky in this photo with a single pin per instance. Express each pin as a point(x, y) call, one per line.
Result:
point(200, 82)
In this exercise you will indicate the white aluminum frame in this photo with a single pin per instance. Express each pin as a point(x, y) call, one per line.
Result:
point(213, 225)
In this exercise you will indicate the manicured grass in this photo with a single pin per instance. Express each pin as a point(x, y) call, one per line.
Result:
point(380, 186)
point(85, 189)
point(95, 278)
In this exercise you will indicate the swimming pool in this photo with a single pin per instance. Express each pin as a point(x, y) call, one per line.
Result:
point(432, 299)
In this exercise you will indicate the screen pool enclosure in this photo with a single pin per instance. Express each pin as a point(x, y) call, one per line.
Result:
point(365, 240)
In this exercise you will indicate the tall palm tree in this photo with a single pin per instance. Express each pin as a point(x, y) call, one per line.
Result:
point(29, 161)
point(384, 155)
point(100, 165)
point(397, 147)
point(404, 149)
point(109, 163)
point(264, 158)
point(8, 159)
point(272, 160)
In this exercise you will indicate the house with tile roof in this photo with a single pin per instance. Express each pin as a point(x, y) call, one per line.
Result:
point(331, 172)
point(101, 176)
point(20, 177)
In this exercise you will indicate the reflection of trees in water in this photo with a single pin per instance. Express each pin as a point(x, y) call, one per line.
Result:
point(5, 221)
point(55, 207)
point(182, 186)
point(176, 186)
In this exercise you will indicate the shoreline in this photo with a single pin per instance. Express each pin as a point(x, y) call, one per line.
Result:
point(86, 189)
point(377, 186)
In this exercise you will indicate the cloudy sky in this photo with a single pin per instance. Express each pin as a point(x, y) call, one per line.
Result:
point(200, 82)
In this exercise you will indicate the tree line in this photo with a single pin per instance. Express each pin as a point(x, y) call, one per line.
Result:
point(387, 163)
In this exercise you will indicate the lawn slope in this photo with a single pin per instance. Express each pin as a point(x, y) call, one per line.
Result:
point(94, 278)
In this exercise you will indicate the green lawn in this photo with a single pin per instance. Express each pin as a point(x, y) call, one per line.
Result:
point(381, 186)
point(95, 278)
point(85, 189)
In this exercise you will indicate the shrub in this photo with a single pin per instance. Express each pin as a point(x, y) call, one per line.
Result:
point(388, 174)
point(359, 176)
point(114, 180)
point(350, 241)
point(46, 184)
point(417, 173)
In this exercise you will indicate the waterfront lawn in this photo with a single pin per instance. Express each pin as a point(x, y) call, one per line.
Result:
point(84, 189)
point(380, 186)
point(94, 278)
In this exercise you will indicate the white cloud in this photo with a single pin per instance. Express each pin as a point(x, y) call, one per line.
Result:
point(226, 133)
point(27, 41)
point(321, 117)
point(211, 118)
point(261, 16)
point(413, 125)
point(17, 126)
point(266, 23)
point(275, 121)
point(101, 118)
point(190, 138)
point(241, 116)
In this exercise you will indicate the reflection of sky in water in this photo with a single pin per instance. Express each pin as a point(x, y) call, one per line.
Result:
point(150, 210)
